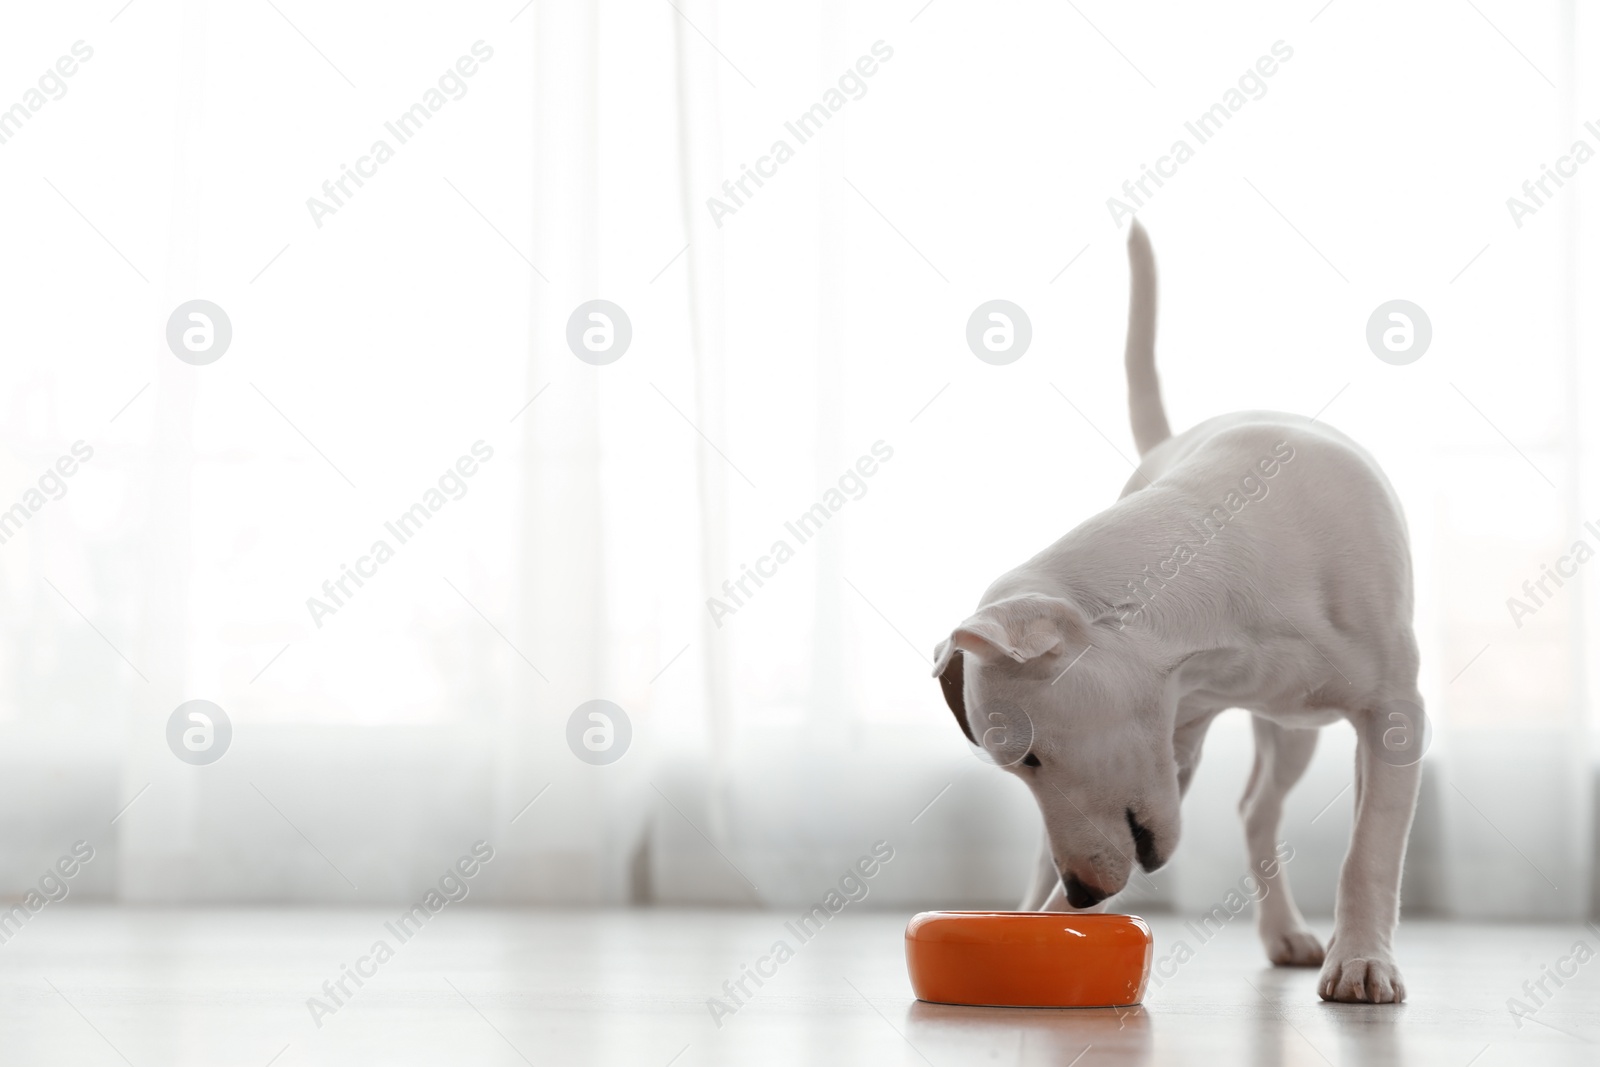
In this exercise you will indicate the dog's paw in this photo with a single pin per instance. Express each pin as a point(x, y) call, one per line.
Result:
point(1292, 948)
point(1357, 979)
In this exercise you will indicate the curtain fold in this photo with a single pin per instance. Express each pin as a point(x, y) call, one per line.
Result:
point(780, 338)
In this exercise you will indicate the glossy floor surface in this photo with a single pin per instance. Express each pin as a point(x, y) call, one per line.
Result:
point(109, 986)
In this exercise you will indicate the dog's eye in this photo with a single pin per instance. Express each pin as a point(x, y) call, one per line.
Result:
point(1030, 760)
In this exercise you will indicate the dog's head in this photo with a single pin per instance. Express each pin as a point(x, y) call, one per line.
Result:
point(1072, 706)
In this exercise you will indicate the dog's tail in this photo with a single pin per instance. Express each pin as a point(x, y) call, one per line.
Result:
point(1144, 389)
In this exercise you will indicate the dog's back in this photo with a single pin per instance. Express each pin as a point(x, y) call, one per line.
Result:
point(1325, 543)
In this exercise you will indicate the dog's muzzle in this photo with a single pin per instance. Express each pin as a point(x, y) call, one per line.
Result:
point(1080, 895)
point(1144, 844)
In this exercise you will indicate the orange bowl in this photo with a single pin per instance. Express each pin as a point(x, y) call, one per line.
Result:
point(1028, 959)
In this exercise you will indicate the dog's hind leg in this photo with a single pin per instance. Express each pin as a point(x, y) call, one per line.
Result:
point(1282, 756)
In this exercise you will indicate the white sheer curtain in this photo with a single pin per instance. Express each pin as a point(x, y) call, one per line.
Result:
point(774, 347)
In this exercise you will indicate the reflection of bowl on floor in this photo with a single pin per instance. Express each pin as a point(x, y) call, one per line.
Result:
point(1028, 959)
point(1053, 1036)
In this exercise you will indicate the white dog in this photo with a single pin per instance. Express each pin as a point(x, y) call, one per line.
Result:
point(1258, 561)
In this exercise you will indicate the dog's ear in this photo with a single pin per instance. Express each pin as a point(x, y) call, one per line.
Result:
point(1020, 628)
point(948, 664)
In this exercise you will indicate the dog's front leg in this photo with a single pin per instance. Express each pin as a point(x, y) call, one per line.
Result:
point(1046, 882)
point(1046, 892)
point(1360, 965)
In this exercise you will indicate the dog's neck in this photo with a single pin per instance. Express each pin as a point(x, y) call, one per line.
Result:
point(1148, 561)
point(1159, 584)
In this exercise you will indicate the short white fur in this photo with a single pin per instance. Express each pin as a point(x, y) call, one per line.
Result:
point(1298, 610)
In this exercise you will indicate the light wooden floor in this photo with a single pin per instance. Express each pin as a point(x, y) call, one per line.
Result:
point(156, 988)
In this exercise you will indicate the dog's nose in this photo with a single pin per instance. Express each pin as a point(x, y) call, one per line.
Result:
point(1080, 895)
